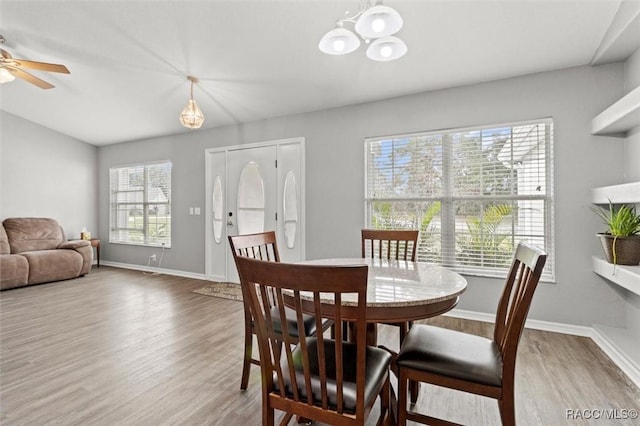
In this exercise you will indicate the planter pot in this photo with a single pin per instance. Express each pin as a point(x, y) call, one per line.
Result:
point(627, 249)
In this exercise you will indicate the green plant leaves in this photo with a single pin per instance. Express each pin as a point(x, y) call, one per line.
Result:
point(622, 221)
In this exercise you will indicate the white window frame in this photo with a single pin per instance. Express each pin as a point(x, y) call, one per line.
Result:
point(447, 215)
point(146, 203)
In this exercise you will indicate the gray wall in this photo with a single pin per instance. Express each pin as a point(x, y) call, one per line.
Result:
point(46, 174)
point(334, 176)
point(632, 172)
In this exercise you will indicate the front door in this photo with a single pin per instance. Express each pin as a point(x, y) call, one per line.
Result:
point(252, 195)
point(254, 189)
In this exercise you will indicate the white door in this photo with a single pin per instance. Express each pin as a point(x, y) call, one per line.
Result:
point(251, 194)
point(248, 193)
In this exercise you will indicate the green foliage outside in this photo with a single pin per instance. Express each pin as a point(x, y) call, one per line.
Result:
point(485, 243)
point(159, 228)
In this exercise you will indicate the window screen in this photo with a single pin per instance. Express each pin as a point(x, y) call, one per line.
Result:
point(473, 193)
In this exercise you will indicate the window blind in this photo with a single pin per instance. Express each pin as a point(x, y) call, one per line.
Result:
point(473, 193)
point(140, 205)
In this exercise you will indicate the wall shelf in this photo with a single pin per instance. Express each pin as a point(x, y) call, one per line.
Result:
point(618, 194)
point(620, 117)
point(625, 276)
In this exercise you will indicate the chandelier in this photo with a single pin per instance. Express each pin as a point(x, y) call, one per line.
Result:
point(191, 116)
point(376, 24)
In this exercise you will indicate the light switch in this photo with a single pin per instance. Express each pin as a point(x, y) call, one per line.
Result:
point(191, 211)
point(197, 210)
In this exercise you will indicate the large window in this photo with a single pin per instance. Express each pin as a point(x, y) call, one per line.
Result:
point(141, 204)
point(473, 193)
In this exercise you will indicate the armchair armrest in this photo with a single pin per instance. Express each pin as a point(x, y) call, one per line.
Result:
point(74, 244)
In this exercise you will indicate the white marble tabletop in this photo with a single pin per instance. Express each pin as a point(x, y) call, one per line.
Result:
point(399, 283)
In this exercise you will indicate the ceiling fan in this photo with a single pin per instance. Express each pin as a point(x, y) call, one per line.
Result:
point(11, 68)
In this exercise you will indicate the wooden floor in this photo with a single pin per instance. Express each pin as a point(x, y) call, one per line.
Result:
point(118, 347)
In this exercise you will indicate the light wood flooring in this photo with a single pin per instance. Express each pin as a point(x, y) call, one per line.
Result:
point(118, 347)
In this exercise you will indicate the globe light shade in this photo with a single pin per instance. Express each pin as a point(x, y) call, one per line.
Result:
point(339, 41)
point(191, 116)
point(379, 21)
point(6, 76)
point(386, 49)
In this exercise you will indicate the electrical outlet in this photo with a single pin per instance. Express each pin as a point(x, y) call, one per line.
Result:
point(152, 258)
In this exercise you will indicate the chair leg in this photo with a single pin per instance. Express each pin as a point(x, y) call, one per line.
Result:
point(246, 364)
point(404, 329)
point(414, 390)
point(385, 407)
point(402, 398)
point(268, 415)
point(507, 409)
point(414, 387)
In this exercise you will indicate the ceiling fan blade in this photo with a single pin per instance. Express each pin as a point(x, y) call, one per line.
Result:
point(41, 66)
point(30, 78)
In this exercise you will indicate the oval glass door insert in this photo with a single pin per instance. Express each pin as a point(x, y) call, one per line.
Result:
point(218, 212)
point(251, 200)
point(290, 209)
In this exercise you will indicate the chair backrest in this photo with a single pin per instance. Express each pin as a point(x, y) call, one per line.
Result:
point(299, 287)
point(261, 246)
point(513, 308)
point(390, 244)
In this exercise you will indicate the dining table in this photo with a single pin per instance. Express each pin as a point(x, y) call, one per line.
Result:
point(400, 291)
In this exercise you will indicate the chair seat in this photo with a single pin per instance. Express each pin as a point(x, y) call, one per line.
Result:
point(453, 354)
point(377, 362)
point(309, 322)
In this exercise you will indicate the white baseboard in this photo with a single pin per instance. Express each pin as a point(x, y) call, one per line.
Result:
point(574, 330)
point(617, 355)
point(612, 350)
point(155, 270)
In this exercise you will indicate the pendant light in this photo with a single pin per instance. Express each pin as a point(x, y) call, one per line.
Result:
point(339, 41)
point(191, 116)
point(378, 21)
point(386, 49)
point(375, 24)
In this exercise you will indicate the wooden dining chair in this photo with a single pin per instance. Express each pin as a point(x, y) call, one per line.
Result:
point(322, 379)
point(261, 246)
point(471, 363)
point(391, 244)
point(398, 244)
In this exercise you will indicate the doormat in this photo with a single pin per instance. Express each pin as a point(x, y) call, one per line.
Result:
point(231, 291)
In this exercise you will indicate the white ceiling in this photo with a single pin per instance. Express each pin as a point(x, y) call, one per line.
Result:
point(259, 59)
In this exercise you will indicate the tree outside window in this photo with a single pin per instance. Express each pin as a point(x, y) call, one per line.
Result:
point(472, 193)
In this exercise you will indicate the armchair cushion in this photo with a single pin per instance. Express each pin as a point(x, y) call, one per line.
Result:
point(14, 271)
point(452, 353)
point(74, 244)
point(309, 322)
point(33, 233)
point(377, 362)
point(52, 265)
point(4, 242)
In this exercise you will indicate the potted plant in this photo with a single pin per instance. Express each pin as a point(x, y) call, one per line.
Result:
point(621, 244)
